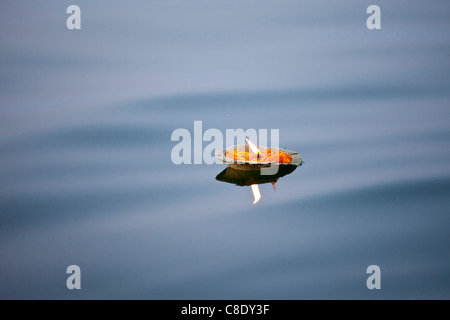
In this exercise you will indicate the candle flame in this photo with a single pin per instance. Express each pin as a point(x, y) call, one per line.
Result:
point(256, 193)
point(253, 147)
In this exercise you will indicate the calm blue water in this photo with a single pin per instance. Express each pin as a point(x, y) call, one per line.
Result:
point(86, 176)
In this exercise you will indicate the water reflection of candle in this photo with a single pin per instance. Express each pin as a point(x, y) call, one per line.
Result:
point(256, 193)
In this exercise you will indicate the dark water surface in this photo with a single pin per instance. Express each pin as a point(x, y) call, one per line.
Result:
point(86, 176)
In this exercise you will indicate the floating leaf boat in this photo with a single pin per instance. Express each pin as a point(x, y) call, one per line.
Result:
point(242, 157)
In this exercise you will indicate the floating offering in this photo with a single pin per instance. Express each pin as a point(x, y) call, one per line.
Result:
point(251, 157)
point(261, 157)
point(245, 160)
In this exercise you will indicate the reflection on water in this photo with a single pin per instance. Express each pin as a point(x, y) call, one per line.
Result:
point(253, 178)
point(249, 177)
